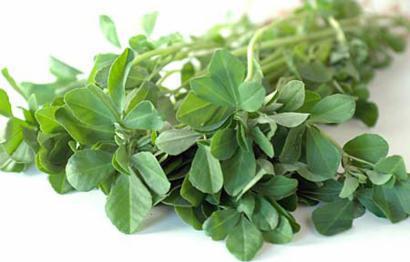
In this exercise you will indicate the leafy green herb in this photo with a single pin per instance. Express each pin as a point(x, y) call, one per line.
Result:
point(237, 144)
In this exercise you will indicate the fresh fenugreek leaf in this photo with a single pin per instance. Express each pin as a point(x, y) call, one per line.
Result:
point(333, 109)
point(221, 223)
point(148, 22)
point(369, 147)
point(151, 172)
point(128, 203)
point(206, 173)
point(107, 27)
point(87, 168)
point(176, 141)
point(143, 116)
point(5, 107)
point(291, 95)
point(245, 240)
point(223, 144)
point(282, 234)
point(63, 71)
point(334, 217)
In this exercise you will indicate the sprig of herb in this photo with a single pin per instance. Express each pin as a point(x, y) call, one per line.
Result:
point(236, 146)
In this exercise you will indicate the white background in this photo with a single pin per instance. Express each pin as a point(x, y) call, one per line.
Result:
point(36, 224)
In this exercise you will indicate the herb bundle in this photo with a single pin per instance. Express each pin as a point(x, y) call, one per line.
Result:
point(236, 146)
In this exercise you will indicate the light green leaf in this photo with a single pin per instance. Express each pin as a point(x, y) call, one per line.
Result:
point(333, 109)
point(83, 133)
point(5, 107)
point(206, 174)
point(148, 22)
point(263, 142)
point(378, 178)
point(221, 87)
point(200, 114)
point(87, 168)
point(128, 203)
point(144, 116)
point(151, 172)
point(350, 186)
point(368, 147)
point(245, 240)
point(290, 119)
point(107, 27)
point(89, 108)
point(176, 141)
point(392, 165)
point(322, 156)
point(334, 217)
point(291, 95)
point(117, 77)
point(223, 143)
point(221, 223)
point(62, 70)
point(251, 95)
point(238, 171)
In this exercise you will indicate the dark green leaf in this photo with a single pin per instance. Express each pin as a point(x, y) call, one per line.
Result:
point(368, 147)
point(221, 223)
point(333, 109)
point(334, 217)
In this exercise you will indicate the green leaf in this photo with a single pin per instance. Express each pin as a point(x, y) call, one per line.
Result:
point(146, 91)
point(263, 142)
point(128, 203)
point(151, 172)
point(221, 223)
point(89, 108)
point(403, 195)
point(223, 143)
point(387, 200)
point(367, 112)
point(107, 27)
point(62, 70)
point(290, 119)
point(251, 96)
point(282, 234)
point(221, 87)
point(392, 165)
point(246, 204)
point(315, 72)
point(292, 149)
point(117, 78)
point(322, 156)
point(143, 116)
point(190, 193)
point(291, 95)
point(206, 173)
point(87, 168)
point(265, 216)
point(5, 107)
point(333, 109)
point(334, 217)
point(83, 133)
point(368, 147)
point(350, 186)
point(45, 117)
point(245, 240)
point(200, 114)
point(378, 178)
point(148, 22)
point(60, 183)
point(189, 216)
point(277, 187)
point(238, 171)
point(176, 141)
